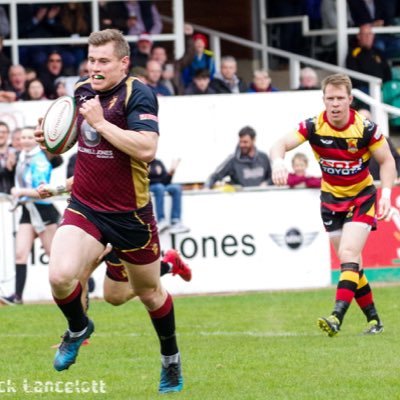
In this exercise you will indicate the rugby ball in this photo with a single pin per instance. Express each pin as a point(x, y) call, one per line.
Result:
point(59, 125)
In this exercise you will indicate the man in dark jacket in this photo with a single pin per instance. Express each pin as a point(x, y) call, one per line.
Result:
point(227, 81)
point(247, 166)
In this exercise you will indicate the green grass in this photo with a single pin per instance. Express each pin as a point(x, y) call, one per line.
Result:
point(246, 346)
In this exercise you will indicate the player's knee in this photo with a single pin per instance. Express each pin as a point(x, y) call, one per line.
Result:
point(114, 299)
point(59, 280)
point(149, 297)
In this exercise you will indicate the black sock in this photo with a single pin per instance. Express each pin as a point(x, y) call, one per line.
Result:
point(20, 279)
point(165, 268)
point(73, 310)
point(163, 321)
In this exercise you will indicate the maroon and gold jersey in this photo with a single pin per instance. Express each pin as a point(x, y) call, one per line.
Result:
point(105, 178)
point(343, 154)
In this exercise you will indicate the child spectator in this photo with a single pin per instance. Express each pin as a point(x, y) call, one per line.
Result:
point(200, 84)
point(298, 177)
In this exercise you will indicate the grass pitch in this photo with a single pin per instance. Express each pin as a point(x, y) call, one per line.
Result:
point(245, 346)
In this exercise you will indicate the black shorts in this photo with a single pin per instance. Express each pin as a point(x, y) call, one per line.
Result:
point(133, 234)
point(48, 213)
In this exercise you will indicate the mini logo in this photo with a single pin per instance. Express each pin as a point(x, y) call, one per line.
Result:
point(327, 141)
point(82, 99)
point(352, 145)
point(328, 223)
point(293, 238)
point(112, 102)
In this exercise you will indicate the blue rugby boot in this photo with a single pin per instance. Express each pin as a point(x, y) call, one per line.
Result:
point(171, 378)
point(69, 348)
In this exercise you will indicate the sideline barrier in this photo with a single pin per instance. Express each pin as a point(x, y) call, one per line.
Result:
point(261, 239)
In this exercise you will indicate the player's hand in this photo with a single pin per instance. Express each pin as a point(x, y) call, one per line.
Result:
point(92, 111)
point(107, 250)
point(39, 135)
point(383, 208)
point(45, 191)
point(393, 212)
point(279, 172)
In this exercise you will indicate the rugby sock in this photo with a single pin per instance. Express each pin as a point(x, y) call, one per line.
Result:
point(20, 279)
point(365, 299)
point(165, 268)
point(346, 289)
point(163, 320)
point(73, 310)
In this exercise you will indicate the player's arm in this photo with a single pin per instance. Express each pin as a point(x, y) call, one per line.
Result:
point(141, 145)
point(388, 174)
point(277, 155)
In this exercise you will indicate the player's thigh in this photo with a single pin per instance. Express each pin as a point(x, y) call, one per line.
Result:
point(46, 237)
point(144, 277)
point(24, 240)
point(354, 237)
point(117, 292)
point(72, 250)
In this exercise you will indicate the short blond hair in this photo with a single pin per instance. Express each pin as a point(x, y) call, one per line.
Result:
point(337, 80)
point(121, 46)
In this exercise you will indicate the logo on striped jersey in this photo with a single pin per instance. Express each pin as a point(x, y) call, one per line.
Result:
point(352, 145)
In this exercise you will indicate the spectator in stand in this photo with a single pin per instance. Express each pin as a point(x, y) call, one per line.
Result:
point(153, 73)
point(308, 79)
point(113, 15)
point(5, 62)
point(227, 81)
point(299, 178)
point(143, 16)
point(31, 74)
point(8, 160)
point(39, 217)
point(378, 13)
point(203, 59)
point(6, 95)
point(367, 59)
point(4, 23)
point(140, 73)
point(141, 52)
point(247, 166)
point(200, 84)
point(34, 90)
point(261, 82)
point(160, 184)
point(16, 80)
point(373, 165)
point(159, 54)
point(53, 70)
point(16, 139)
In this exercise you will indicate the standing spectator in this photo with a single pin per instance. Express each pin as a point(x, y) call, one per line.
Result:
point(4, 23)
point(141, 52)
point(16, 139)
point(5, 62)
point(299, 178)
point(8, 160)
point(143, 17)
point(113, 15)
point(17, 80)
point(367, 59)
point(203, 59)
point(39, 218)
point(227, 81)
point(200, 84)
point(34, 90)
point(308, 79)
point(261, 82)
point(160, 184)
point(52, 71)
point(247, 166)
point(153, 76)
point(159, 54)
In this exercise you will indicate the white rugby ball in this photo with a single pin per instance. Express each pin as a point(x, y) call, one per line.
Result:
point(59, 125)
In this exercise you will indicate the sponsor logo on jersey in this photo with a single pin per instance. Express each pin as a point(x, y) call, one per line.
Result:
point(326, 141)
point(148, 116)
point(341, 167)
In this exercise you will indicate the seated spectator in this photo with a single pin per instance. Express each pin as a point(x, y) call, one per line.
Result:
point(373, 165)
point(16, 139)
point(153, 74)
point(52, 71)
point(299, 178)
point(31, 74)
point(160, 183)
point(308, 79)
point(60, 85)
point(34, 90)
point(203, 59)
point(227, 81)
point(261, 82)
point(8, 160)
point(143, 16)
point(247, 166)
point(16, 80)
point(200, 84)
point(140, 73)
point(141, 52)
point(365, 58)
point(159, 54)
